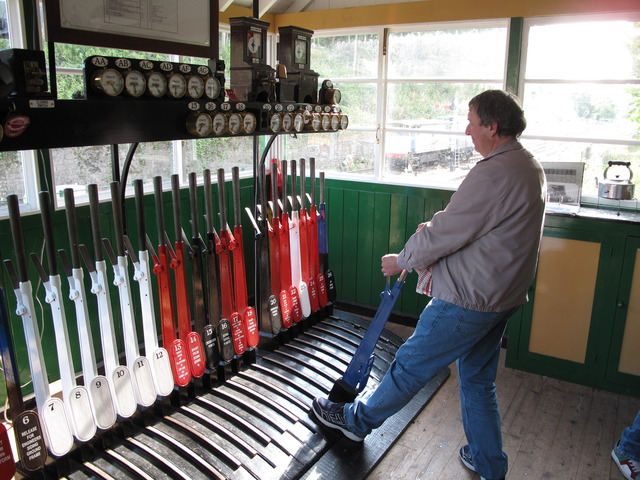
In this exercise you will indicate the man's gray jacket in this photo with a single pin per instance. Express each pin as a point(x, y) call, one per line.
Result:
point(483, 247)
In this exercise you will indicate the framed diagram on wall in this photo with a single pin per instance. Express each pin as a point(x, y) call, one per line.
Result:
point(181, 27)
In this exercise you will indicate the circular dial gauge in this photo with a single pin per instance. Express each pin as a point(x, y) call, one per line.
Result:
point(306, 117)
point(249, 123)
point(275, 122)
point(235, 123)
point(176, 85)
point(333, 96)
point(156, 84)
point(134, 83)
point(109, 82)
point(335, 121)
point(298, 122)
point(219, 123)
point(344, 122)
point(326, 121)
point(199, 124)
point(212, 88)
point(195, 86)
point(287, 122)
point(316, 122)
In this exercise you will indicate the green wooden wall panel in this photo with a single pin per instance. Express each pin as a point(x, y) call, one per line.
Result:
point(246, 199)
point(397, 211)
point(349, 242)
point(380, 244)
point(364, 245)
point(334, 200)
point(410, 300)
point(397, 223)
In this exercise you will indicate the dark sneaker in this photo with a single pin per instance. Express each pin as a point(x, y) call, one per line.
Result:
point(331, 415)
point(629, 468)
point(467, 459)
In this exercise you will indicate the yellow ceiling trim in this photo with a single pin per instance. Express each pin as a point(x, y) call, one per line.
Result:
point(446, 10)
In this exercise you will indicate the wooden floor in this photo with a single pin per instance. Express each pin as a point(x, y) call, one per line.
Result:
point(551, 430)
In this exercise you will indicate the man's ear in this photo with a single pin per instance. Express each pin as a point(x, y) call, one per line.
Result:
point(493, 129)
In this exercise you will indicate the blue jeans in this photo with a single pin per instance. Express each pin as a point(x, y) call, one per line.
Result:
point(630, 440)
point(446, 333)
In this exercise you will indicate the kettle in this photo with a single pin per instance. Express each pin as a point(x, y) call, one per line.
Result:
point(618, 187)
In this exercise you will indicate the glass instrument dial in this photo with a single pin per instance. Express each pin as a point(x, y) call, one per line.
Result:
point(249, 123)
point(156, 84)
point(235, 123)
point(326, 121)
point(176, 85)
point(134, 83)
point(335, 121)
point(195, 86)
point(287, 122)
point(199, 124)
point(219, 123)
point(316, 122)
point(344, 122)
point(212, 88)
point(109, 82)
point(275, 123)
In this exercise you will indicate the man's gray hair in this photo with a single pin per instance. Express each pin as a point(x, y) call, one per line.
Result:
point(500, 107)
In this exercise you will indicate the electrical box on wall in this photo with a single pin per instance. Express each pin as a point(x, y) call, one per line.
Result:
point(28, 69)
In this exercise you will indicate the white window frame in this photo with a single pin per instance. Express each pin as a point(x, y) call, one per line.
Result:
point(523, 82)
point(383, 81)
point(381, 92)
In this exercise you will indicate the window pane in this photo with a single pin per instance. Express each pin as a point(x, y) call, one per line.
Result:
point(585, 51)
point(214, 153)
point(414, 149)
point(582, 110)
point(595, 156)
point(358, 102)
point(73, 56)
point(437, 106)
point(432, 159)
point(351, 56)
point(4, 26)
point(11, 176)
point(344, 151)
point(587, 92)
point(70, 86)
point(79, 166)
point(447, 54)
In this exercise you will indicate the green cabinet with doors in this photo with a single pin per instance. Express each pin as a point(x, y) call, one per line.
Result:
point(582, 322)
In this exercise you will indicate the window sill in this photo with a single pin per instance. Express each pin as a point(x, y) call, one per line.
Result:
point(607, 214)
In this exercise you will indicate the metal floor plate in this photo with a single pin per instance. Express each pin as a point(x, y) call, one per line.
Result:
point(255, 425)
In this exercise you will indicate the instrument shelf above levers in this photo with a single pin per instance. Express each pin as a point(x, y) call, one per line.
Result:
point(43, 123)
